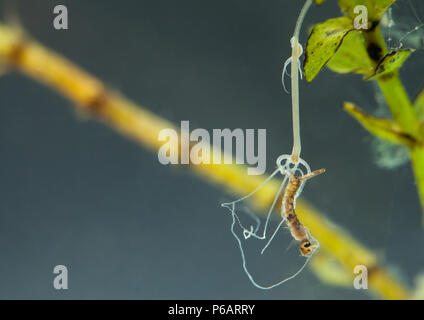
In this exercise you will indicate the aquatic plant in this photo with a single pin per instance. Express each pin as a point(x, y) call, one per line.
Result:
point(340, 251)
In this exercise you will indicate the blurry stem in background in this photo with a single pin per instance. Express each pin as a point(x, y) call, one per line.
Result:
point(89, 94)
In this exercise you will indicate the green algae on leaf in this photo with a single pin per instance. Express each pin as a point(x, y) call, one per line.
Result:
point(323, 43)
point(390, 63)
point(352, 56)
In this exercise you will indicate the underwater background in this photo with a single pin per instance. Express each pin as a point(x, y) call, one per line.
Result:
point(76, 193)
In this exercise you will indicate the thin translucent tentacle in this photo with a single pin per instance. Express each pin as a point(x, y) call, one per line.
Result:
point(254, 217)
point(247, 271)
point(245, 230)
point(249, 232)
point(286, 64)
point(227, 204)
point(305, 164)
point(273, 205)
point(280, 159)
point(300, 70)
point(273, 235)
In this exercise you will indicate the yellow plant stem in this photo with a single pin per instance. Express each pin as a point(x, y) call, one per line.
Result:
point(417, 158)
point(399, 103)
point(404, 114)
point(143, 126)
point(406, 117)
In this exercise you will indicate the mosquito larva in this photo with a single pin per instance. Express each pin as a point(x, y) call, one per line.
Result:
point(288, 165)
point(297, 230)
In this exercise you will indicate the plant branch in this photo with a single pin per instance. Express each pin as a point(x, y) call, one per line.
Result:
point(404, 114)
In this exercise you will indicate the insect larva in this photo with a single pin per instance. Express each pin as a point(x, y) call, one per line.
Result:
point(297, 230)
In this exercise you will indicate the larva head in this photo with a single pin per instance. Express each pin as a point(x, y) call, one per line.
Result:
point(307, 248)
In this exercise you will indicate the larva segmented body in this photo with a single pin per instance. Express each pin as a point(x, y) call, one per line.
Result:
point(296, 228)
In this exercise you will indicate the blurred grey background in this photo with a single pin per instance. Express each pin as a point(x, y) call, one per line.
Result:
point(74, 192)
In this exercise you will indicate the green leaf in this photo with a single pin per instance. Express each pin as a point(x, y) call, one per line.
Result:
point(376, 8)
point(390, 63)
point(352, 56)
point(383, 128)
point(323, 43)
point(380, 6)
